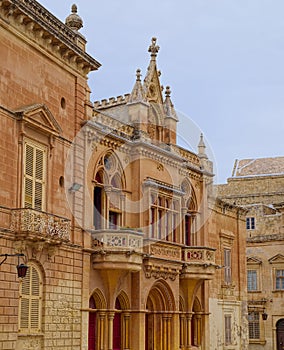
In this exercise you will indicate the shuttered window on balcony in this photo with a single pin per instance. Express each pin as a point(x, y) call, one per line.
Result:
point(34, 176)
point(30, 301)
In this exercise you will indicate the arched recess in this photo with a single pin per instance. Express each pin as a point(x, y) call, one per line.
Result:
point(109, 183)
point(280, 334)
point(97, 303)
point(196, 323)
point(158, 322)
point(121, 322)
point(190, 211)
point(155, 122)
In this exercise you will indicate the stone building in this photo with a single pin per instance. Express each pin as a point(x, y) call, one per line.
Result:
point(258, 186)
point(126, 246)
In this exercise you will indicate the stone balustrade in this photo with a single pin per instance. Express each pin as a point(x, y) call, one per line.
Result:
point(199, 255)
point(119, 239)
point(37, 223)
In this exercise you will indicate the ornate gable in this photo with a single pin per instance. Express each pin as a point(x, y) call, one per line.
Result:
point(39, 117)
point(279, 258)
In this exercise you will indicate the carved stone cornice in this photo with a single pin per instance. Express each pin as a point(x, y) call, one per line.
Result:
point(40, 25)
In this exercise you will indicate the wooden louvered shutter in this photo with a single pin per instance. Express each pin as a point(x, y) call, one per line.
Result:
point(34, 176)
point(30, 301)
point(227, 266)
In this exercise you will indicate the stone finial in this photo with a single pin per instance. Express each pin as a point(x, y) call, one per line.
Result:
point(138, 74)
point(168, 91)
point(153, 48)
point(74, 21)
point(202, 148)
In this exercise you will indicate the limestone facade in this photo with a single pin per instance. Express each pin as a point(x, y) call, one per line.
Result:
point(126, 246)
point(258, 185)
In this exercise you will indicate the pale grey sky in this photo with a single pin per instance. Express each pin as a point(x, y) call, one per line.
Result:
point(223, 60)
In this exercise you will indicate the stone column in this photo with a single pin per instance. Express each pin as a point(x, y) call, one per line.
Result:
point(126, 317)
point(182, 331)
point(164, 332)
point(188, 331)
point(110, 330)
point(198, 329)
point(183, 213)
point(101, 330)
point(169, 330)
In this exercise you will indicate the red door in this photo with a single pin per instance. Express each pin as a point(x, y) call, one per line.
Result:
point(117, 328)
point(92, 326)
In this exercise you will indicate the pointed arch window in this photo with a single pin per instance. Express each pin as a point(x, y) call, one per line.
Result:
point(30, 309)
point(108, 199)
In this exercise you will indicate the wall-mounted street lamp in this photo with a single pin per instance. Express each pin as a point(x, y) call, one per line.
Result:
point(75, 187)
point(21, 268)
point(264, 315)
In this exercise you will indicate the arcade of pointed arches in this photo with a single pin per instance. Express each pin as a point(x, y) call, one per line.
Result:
point(112, 326)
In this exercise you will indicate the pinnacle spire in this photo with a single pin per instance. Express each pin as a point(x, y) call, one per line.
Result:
point(202, 148)
point(168, 105)
point(138, 93)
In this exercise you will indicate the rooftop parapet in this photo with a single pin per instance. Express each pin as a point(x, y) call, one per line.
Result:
point(112, 101)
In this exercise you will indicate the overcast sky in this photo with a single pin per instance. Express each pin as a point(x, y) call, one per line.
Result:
point(223, 60)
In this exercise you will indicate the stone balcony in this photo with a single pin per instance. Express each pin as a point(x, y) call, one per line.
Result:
point(198, 262)
point(39, 226)
point(162, 259)
point(167, 259)
point(119, 249)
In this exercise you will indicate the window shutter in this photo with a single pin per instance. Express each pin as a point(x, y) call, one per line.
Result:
point(34, 182)
point(24, 318)
point(228, 330)
point(30, 301)
point(227, 265)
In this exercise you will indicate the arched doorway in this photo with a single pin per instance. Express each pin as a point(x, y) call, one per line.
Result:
point(158, 321)
point(280, 334)
point(92, 325)
point(97, 307)
point(196, 324)
point(117, 327)
point(121, 323)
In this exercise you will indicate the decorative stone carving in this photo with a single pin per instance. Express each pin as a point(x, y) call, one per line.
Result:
point(30, 221)
point(121, 239)
point(158, 271)
point(165, 251)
